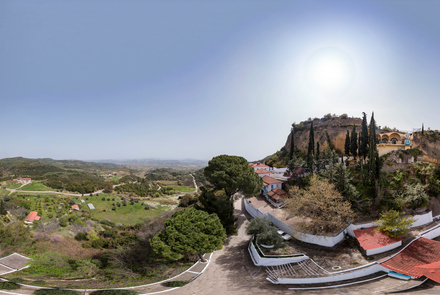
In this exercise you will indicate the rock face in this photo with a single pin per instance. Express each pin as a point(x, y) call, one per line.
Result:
point(429, 144)
point(335, 128)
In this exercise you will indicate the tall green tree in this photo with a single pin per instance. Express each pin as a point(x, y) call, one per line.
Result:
point(292, 142)
point(189, 231)
point(347, 144)
point(232, 174)
point(2, 207)
point(354, 143)
point(311, 146)
point(374, 163)
point(215, 202)
point(311, 150)
point(364, 140)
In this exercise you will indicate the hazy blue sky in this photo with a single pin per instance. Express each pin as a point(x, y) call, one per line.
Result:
point(194, 79)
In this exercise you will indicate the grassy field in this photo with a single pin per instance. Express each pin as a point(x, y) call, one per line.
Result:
point(130, 214)
point(36, 186)
point(10, 184)
point(184, 189)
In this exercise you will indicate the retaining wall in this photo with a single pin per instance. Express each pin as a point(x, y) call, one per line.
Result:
point(274, 260)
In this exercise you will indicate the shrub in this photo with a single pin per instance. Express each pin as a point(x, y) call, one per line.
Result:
point(9, 286)
point(115, 292)
point(176, 283)
point(81, 237)
point(55, 292)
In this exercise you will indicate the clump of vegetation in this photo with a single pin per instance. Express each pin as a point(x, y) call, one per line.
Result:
point(9, 286)
point(176, 283)
point(393, 224)
point(265, 233)
point(115, 292)
point(55, 292)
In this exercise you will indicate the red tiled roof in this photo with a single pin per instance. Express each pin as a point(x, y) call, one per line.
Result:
point(75, 207)
point(431, 270)
point(262, 171)
point(259, 165)
point(369, 238)
point(270, 180)
point(420, 252)
point(277, 194)
point(32, 216)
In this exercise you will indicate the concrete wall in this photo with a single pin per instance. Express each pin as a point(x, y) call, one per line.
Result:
point(384, 248)
point(271, 260)
point(337, 276)
point(322, 240)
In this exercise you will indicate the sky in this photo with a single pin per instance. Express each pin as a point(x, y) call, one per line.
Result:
point(114, 79)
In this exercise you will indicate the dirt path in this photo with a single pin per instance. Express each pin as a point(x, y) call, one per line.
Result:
point(195, 184)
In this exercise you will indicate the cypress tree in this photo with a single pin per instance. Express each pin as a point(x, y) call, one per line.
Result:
point(2, 208)
point(311, 150)
point(311, 147)
point(374, 164)
point(347, 144)
point(292, 142)
point(363, 146)
point(423, 129)
point(353, 144)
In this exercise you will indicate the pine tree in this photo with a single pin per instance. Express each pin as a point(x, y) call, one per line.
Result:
point(318, 157)
point(347, 144)
point(292, 142)
point(353, 143)
point(423, 129)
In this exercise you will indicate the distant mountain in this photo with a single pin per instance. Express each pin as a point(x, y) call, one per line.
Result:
point(40, 168)
point(164, 163)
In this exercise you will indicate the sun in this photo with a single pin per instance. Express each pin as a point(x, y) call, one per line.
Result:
point(329, 70)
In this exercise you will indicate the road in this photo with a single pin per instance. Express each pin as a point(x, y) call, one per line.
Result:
point(195, 184)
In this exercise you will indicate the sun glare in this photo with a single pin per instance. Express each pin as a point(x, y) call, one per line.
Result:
point(329, 70)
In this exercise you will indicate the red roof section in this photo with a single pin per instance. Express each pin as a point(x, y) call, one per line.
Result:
point(369, 238)
point(259, 165)
point(75, 207)
point(32, 216)
point(431, 270)
point(422, 251)
point(277, 194)
point(270, 180)
point(262, 171)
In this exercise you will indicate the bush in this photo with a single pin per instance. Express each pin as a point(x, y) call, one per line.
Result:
point(55, 292)
point(176, 283)
point(115, 292)
point(81, 237)
point(9, 286)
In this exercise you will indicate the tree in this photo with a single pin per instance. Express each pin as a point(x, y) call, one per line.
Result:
point(393, 224)
point(423, 129)
point(363, 146)
point(295, 163)
point(347, 144)
point(311, 150)
point(108, 187)
point(414, 196)
point(232, 174)
point(321, 206)
point(339, 175)
point(215, 202)
point(189, 231)
point(354, 143)
point(292, 142)
point(2, 207)
point(374, 162)
point(265, 232)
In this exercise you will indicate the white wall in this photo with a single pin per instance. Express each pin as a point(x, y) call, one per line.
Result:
point(337, 276)
point(384, 248)
point(268, 261)
point(276, 185)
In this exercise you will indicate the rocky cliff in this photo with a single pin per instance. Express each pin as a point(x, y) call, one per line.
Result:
point(333, 130)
